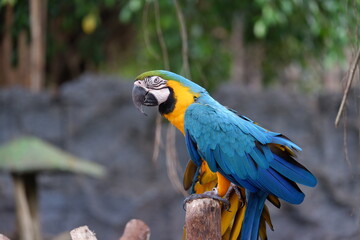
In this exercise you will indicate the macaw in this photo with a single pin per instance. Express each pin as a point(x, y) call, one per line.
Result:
point(234, 147)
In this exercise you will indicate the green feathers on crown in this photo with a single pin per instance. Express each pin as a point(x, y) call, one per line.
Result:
point(173, 76)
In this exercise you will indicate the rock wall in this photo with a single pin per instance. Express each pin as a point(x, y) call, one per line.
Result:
point(95, 119)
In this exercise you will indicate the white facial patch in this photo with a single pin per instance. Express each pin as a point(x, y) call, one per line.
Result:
point(140, 84)
point(155, 82)
point(161, 94)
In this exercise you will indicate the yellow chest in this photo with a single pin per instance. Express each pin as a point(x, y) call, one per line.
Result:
point(184, 97)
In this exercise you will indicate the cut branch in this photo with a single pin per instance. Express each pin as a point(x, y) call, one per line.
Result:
point(136, 229)
point(82, 233)
point(202, 220)
point(3, 237)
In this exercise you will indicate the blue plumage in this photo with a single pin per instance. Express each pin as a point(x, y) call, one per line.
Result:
point(246, 154)
point(261, 161)
point(192, 149)
point(250, 228)
point(293, 172)
point(240, 148)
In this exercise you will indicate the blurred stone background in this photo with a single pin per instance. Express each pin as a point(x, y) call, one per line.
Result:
point(94, 118)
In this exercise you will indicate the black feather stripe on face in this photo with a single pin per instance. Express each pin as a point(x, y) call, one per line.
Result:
point(169, 105)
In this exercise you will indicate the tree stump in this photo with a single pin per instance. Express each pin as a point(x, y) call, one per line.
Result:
point(3, 237)
point(136, 229)
point(203, 219)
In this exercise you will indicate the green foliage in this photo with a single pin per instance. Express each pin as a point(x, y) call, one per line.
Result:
point(6, 2)
point(292, 31)
point(70, 27)
point(208, 55)
point(297, 30)
point(20, 21)
point(66, 37)
point(129, 9)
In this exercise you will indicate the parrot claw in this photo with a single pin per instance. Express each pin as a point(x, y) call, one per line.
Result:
point(210, 194)
point(237, 191)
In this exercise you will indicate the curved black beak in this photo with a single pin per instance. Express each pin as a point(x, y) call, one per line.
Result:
point(141, 97)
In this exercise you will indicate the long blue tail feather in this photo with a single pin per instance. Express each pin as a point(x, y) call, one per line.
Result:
point(254, 208)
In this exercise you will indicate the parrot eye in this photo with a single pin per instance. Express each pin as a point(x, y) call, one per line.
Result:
point(155, 82)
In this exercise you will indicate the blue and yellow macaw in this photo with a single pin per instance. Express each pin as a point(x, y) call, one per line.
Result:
point(232, 146)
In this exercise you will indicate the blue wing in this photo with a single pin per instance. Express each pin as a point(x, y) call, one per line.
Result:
point(245, 153)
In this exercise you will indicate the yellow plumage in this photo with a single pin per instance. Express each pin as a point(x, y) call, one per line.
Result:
point(176, 117)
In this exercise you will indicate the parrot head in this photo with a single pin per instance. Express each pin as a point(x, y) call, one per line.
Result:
point(164, 89)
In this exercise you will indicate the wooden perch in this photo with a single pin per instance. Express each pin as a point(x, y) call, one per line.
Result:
point(82, 233)
point(202, 220)
point(136, 229)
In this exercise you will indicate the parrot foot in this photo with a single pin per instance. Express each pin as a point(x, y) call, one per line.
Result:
point(238, 192)
point(210, 194)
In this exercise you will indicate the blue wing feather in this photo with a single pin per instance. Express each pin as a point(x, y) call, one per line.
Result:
point(272, 182)
point(259, 158)
point(283, 141)
point(192, 149)
point(238, 149)
point(293, 172)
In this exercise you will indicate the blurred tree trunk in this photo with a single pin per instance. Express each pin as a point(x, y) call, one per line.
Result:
point(23, 67)
point(32, 198)
point(37, 49)
point(6, 71)
point(247, 59)
point(9, 73)
point(237, 42)
point(23, 215)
